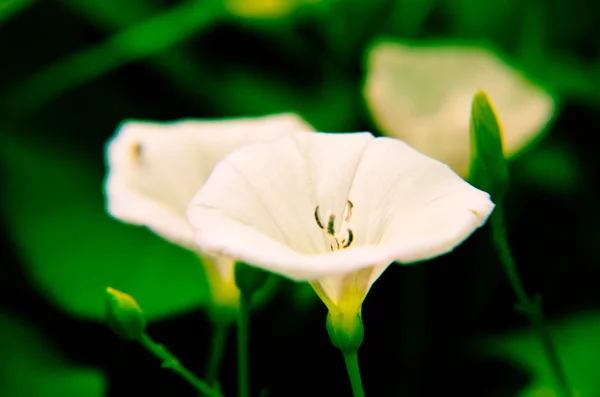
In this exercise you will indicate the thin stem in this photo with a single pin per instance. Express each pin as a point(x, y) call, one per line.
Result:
point(171, 362)
point(217, 350)
point(529, 307)
point(351, 360)
point(243, 325)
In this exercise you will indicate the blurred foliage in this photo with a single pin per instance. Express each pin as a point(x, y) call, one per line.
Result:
point(8, 8)
point(553, 168)
point(30, 366)
point(577, 338)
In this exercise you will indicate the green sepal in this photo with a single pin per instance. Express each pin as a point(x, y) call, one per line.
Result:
point(249, 279)
point(345, 330)
point(123, 315)
point(489, 168)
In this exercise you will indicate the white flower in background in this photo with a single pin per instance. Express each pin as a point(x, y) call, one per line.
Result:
point(423, 95)
point(265, 9)
point(154, 169)
point(334, 209)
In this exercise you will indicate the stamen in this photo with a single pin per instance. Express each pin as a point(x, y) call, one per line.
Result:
point(349, 213)
point(336, 241)
point(350, 239)
point(330, 225)
point(318, 219)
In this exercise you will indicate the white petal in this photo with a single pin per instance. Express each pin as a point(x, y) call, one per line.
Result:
point(423, 95)
point(154, 169)
point(421, 208)
point(258, 205)
point(275, 187)
point(331, 161)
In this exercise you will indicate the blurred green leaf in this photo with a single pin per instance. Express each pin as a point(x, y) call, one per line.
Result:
point(141, 40)
point(112, 14)
point(31, 367)
point(489, 168)
point(577, 340)
point(72, 250)
point(9, 8)
point(552, 168)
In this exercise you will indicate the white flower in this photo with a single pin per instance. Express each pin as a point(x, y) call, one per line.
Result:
point(423, 95)
point(154, 169)
point(334, 209)
point(265, 9)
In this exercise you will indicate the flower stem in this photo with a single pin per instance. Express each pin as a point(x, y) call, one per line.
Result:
point(531, 308)
point(351, 359)
point(242, 337)
point(217, 349)
point(172, 363)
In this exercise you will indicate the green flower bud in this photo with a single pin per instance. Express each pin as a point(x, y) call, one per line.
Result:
point(123, 314)
point(489, 168)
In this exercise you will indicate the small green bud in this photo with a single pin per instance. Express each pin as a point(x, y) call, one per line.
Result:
point(123, 314)
point(489, 168)
point(345, 330)
point(249, 279)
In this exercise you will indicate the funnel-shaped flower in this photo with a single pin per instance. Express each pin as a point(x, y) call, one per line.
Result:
point(154, 169)
point(423, 96)
point(334, 209)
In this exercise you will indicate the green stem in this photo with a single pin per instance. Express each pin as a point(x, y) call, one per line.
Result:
point(529, 307)
point(171, 362)
point(217, 350)
point(243, 325)
point(351, 359)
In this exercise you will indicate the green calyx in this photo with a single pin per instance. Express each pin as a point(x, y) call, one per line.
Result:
point(345, 330)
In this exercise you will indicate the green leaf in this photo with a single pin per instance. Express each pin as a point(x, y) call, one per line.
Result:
point(31, 367)
point(553, 168)
point(489, 168)
point(10, 8)
point(577, 340)
point(72, 250)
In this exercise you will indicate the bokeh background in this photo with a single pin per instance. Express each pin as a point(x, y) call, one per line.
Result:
point(72, 70)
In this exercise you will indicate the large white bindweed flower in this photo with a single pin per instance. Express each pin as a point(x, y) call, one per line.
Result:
point(423, 95)
point(154, 169)
point(334, 209)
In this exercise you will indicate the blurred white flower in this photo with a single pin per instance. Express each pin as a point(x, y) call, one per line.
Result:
point(265, 9)
point(423, 94)
point(334, 209)
point(154, 169)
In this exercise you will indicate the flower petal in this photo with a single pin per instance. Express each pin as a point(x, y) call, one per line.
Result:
point(258, 204)
point(156, 168)
point(423, 95)
point(277, 186)
point(422, 209)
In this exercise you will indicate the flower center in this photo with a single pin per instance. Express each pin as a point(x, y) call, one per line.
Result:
point(343, 239)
